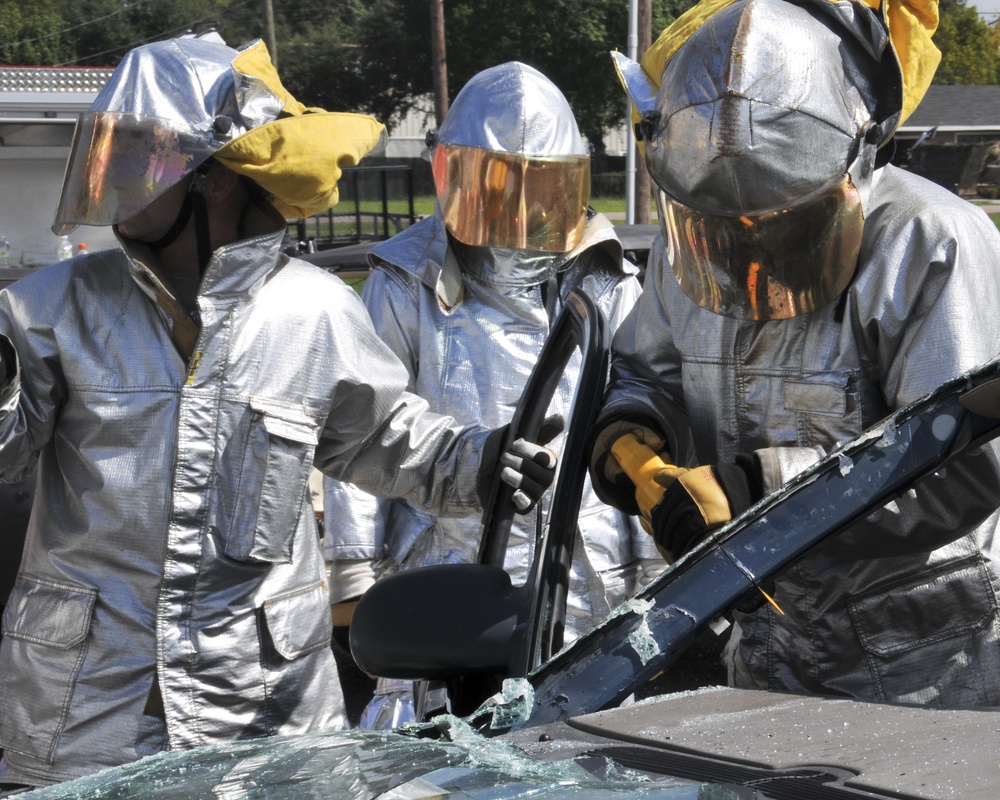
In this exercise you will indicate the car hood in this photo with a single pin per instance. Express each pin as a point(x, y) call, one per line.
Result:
point(391, 765)
point(719, 743)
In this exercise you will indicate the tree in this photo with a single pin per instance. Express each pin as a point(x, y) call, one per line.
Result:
point(98, 32)
point(379, 58)
point(568, 40)
point(969, 53)
point(358, 55)
point(375, 58)
point(31, 36)
point(995, 36)
point(102, 31)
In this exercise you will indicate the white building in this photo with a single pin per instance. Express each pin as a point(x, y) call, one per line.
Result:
point(39, 107)
point(407, 139)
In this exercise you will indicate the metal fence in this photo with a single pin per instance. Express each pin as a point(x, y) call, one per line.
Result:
point(376, 202)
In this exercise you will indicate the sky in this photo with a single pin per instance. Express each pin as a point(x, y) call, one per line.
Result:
point(984, 6)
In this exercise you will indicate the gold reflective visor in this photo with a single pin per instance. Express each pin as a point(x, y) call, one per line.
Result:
point(119, 164)
point(767, 265)
point(495, 199)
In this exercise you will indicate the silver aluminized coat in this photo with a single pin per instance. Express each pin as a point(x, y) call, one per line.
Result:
point(903, 606)
point(459, 362)
point(171, 534)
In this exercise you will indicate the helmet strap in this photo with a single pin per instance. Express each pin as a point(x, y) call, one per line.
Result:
point(200, 208)
point(175, 230)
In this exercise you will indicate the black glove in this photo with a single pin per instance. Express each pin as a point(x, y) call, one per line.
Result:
point(527, 466)
point(699, 500)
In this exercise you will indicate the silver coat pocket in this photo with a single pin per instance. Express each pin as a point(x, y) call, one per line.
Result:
point(917, 629)
point(45, 627)
point(263, 485)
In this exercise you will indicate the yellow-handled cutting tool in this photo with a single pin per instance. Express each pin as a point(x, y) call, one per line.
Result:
point(642, 464)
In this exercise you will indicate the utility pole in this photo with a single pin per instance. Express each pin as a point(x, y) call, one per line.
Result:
point(633, 46)
point(439, 62)
point(642, 182)
point(269, 37)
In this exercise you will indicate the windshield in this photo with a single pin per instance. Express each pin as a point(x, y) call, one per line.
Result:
point(370, 764)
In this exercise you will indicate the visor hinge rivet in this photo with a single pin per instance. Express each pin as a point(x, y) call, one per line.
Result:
point(222, 125)
point(646, 126)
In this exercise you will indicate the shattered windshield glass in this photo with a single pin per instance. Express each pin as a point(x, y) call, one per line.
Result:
point(373, 764)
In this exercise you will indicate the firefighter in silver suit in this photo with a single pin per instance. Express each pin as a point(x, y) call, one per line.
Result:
point(466, 298)
point(802, 290)
point(175, 394)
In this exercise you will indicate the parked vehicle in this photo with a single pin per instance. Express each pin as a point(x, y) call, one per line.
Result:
point(989, 180)
point(989, 187)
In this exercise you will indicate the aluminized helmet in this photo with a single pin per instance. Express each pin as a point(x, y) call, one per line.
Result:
point(510, 167)
point(171, 105)
point(761, 140)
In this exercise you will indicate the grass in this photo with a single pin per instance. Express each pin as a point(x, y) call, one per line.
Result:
point(424, 206)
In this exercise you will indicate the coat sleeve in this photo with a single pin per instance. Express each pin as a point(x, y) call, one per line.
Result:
point(355, 520)
point(924, 306)
point(617, 305)
point(929, 310)
point(385, 439)
point(645, 382)
point(31, 389)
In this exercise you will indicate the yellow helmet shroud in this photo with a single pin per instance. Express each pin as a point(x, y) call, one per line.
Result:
point(299, 157)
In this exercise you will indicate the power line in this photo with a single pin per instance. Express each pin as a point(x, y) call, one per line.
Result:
point(155, 37)
point(66, 30)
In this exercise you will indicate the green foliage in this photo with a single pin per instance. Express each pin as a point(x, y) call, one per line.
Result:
point(969, 52)
point(30, 33)
point(369, 56)
point(100, 32)
point(568, 40)
point(357, 55)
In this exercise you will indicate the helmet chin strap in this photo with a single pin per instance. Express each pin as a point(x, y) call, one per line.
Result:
point(194, 204)
point(175, 230)
point(197, 194)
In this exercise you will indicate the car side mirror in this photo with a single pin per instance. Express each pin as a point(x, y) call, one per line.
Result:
point(433, 622)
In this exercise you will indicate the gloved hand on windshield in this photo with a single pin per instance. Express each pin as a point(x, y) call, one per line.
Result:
point(529, 467)
point(699, 500)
